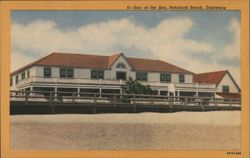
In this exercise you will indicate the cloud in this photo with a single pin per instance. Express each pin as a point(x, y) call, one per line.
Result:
point(230, 56)
point(42, 37)
point(232, 51)
point(18, 59)
point(165, 41)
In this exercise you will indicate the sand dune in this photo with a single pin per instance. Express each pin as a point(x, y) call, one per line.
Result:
point(144, 131)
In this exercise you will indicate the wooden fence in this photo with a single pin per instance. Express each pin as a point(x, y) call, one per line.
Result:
point(133, 101)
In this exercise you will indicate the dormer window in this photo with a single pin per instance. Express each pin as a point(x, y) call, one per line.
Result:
point(121, 65)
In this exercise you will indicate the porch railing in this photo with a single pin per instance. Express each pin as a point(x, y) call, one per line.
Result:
point(109, 98)
point(57, 80)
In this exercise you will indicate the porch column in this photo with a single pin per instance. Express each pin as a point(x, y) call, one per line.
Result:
point(56, 93)
point(174, 96)
point(31, 89)
point(100, 91)
point(78, 92)
point(178, 93)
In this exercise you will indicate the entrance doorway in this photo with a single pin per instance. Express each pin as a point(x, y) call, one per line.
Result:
point(121, 75)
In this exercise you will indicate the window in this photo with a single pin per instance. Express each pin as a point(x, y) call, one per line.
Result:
point(23, 75)
point(163, 92)
point(225, 88)
point(165, 77)
point(63, 72)
point(121, 75)
point(16, 79)
point(141, 76)
point(66, 72)
point(121, 65)
point(28, 74)
point(47, 72)
point(97, 74)
point(181, 78)
point(70, 72)
point(11, 81)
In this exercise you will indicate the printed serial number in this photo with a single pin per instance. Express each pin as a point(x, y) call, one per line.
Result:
point(233, 153)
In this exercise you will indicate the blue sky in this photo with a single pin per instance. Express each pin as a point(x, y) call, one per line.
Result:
point(208, 23)
point(197, 40)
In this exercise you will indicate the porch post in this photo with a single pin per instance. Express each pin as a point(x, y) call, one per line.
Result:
point(78, 92)
point(178, 93)
point(196, 91)
point(31, 89)
point(55, 93)
point(100, 91)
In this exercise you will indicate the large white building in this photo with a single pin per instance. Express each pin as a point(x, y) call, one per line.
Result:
point(62, 72)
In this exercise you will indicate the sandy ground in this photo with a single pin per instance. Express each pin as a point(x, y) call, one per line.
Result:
point(143, 131)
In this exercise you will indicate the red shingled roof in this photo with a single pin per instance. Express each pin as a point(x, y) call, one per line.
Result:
point(229, 95)
point(155, 66)
point(209, 77)
point(213, 77)
point(75, 60)
point(103, 62)
point(113, 58)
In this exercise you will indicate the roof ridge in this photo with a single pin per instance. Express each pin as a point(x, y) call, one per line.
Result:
point(79, 54)
point(142, 58)
point(211, 72)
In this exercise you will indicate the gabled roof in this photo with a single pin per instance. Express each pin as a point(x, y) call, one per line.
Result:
point(113, 58)
point(229, 95)
point(209, 77)
point(155, 66)
point(103, 62)
point(213, 77)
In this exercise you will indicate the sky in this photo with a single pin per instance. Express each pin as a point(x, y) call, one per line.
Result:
point(199, 41)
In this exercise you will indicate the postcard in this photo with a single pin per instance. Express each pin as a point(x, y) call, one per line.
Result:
point(125, 79)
